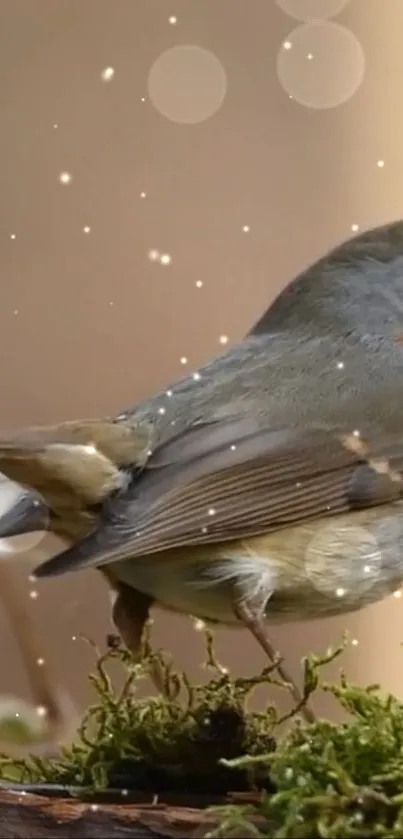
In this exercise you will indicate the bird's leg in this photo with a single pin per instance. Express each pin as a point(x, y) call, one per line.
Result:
point(256, 626)
point(130, 612)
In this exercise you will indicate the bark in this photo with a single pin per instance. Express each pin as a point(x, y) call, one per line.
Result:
point(24, 815)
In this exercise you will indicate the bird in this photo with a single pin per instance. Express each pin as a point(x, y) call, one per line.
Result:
point(267, 488)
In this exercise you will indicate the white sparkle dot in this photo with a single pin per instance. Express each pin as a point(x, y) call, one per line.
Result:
point(340, 365)
point(165, 259)
point(74, 637)
point(12, 236)
point(15, 311)
point(168, 392)
point(173, 20)
point(32, 578)
point(233, 447)
point(246, 228)
point(183, 360)
point(354, 642)
point(107, 74)
point(94, 807)
point(40, 662)
point(162, 410)
point(55, 125)
point(124, 792)
point(397, 593)
point(211, 511)
point(204, 530)
point(356, 433)
point(143, 195)
point(224, 339)
point(41, 711)
point(309, 56)
point(380, 164)
point(87, 229)
point(287, 45)
point(153, 255)
point(90, 448)
point(33, 594)
point(196, 376)
point(340, 592)
point(355, 228)
point(199, 283)
point(65, 177)
point(199, 625)
point(143, 98)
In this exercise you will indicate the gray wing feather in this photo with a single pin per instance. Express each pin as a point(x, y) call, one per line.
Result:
point(222, 481)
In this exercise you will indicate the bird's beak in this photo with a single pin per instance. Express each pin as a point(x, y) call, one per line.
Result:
point(27, 514)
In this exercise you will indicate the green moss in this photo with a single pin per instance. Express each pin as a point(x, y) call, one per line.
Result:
point(320, 780)
point(333, 780)
point(156, 743)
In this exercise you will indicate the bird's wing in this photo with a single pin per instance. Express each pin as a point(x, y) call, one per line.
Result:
point(227, 480)
point(66, 461)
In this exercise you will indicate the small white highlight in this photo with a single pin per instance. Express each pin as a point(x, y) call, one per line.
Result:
point(42, 711)
point(199, 625)
point(90, 448)
point(107, 74)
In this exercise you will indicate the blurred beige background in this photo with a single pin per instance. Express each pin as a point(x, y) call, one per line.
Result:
point(166, 167)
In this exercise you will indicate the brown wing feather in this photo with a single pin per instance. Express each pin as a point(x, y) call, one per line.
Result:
point(74, 461)
point(231, 482)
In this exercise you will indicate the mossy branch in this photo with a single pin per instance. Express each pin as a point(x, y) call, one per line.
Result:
point(320, 780)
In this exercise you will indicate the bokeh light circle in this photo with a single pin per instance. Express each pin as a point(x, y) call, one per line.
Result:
point(187, 84)
point(10, 493)
point(321, 64)
point(343, 559)
point(312, 9)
